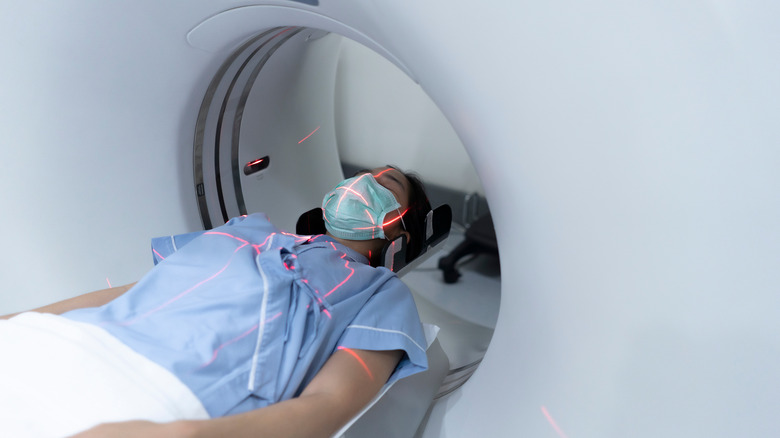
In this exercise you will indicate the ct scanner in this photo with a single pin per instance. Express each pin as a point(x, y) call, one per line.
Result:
point(629, 153)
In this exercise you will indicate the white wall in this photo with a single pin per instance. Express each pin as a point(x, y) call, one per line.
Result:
point(378, 105)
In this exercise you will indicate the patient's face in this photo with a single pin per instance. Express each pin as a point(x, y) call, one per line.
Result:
point(395, 181)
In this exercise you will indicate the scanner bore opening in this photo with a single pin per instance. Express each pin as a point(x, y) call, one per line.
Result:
point(220, 158)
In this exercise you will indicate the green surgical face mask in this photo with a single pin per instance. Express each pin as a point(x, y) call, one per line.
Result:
point(356, 208)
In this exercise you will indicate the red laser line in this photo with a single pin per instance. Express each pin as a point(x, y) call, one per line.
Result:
point(382, 172)
point(346, 265)
point(236, 339)
point(304, 138)
point(396, 219)
point(391, 221)
point(552, 423)
point(350, 189)
point(179, 296)
point(355, 355)
point(228, 235)
point(371, 218)
point(298, 238)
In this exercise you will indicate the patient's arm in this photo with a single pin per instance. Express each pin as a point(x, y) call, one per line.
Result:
point(347, 382)
point(91, 299)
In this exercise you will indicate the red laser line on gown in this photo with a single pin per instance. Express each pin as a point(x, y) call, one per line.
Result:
point(186, 292)
point(346, 265)
point(219, 233)
point(257, 247)
point(298, 238)
point(236, 339)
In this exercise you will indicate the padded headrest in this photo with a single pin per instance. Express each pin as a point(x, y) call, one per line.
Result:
point(437, 228)
point(311, 223)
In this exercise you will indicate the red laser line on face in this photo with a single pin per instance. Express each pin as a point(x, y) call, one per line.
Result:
point(326, 204)
point(397, 218)
point(305, 138)
point(359, 359)
point(552, 422)
point(382, 172)
point(373, 228)
point(349, 189)
point(371, 218)
point(390, 222)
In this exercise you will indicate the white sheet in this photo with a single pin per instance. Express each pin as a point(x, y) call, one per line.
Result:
point(58, 377)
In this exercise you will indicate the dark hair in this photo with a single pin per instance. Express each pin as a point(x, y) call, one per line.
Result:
point(419, 206)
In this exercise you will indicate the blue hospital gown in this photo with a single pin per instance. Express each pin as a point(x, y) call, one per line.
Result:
point(245, 315)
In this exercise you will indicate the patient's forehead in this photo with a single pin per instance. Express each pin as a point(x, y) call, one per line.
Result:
point(393, 180)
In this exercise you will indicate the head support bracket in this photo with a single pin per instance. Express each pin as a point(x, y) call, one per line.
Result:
point(393, 257)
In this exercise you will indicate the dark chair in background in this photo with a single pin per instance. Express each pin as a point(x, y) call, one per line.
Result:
point(480, 238)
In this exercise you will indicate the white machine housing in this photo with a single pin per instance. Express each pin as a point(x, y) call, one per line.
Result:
point(629, 153)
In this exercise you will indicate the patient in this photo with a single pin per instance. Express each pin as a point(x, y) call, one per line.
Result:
point(245, 330)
